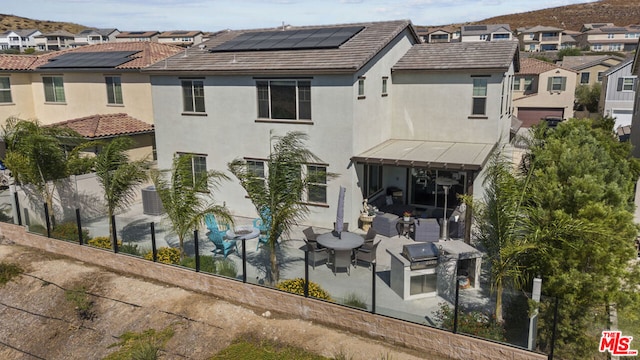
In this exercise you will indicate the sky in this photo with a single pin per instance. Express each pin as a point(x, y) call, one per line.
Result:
point(214, 15)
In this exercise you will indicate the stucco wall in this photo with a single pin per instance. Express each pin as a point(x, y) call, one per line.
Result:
point(418, 337)
point(22, 105)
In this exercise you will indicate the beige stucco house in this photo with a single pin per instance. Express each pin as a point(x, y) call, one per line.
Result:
point(590, 68)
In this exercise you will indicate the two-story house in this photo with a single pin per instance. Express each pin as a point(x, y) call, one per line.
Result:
point(497, 32)
point(444, 34)
point(619, 87)
point(181, 38)
point(128, 36)
point(635, 121)
point(102, 82)
point(95, 36)
point(19, 39)
point(543, 90)
point(590, 68)
point(610, 38)
point(381, 109)
point(56, 40)
point(540, 38)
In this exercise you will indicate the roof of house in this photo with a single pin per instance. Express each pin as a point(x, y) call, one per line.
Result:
point(539, 28)
point(57, 33)
point(103, 32)
point(627, 62)
point(179, 33)
point(487, 55)
point(586, 61)
point(147, 53)
point(446, 29)
point(106, 125)
point(531, 66)
point(349, 56)
point(24, 32)
point(137, 34)
point(469, 30)
point(607, 30)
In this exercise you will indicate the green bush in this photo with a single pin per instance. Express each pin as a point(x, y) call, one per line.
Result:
point(103, 242)
point(68, 231)
point(131, 249)
point(166, 255)
point(8, 272)
point(471, 322)
point(296, 286)
point(226, 268)
point(354, 300)
point(207, 263)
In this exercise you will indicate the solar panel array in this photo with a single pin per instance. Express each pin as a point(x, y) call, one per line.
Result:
point(105, 59)
point(290, 39)
point(475, 27)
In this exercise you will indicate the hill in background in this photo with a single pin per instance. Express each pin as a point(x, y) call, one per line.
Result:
point(570, 17)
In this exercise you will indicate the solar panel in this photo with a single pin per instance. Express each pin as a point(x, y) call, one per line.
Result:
point(290, 39)
point(475, 27)
point(106, 59)
point(179, 32)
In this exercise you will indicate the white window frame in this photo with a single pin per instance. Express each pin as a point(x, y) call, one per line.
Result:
point(628, 83)
point(5, 90)
point(114, 90)
point(198, 166)
point(361, 87)
point(53, 89)
point(385, 85)
point(193, 100)
point(309, 168)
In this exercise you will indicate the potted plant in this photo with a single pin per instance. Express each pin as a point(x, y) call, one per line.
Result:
point(406, 215)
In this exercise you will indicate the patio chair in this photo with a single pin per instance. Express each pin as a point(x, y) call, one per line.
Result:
point(212, 224)
point(311, 236)
point(367, 254)
point(341, 259)
point(316, 254)
point(345, 226)
point(370, 236)
point(224, 247)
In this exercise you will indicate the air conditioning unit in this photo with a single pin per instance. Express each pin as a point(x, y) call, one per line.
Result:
point(151, 203)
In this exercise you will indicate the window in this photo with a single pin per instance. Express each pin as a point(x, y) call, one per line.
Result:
point(557, 84)
point(256, 167)
point(361, 88)
point(600, 75)
point(198, 169)
point(596, 47)
point(532, 47)
point(317, 188)
point(479, 96)
point(483, 37)
point(193, 96)
point(501, 36)
point(610, 36)
point(114, 90)
point(384, 85)
point(516, 84)
point(615, 47)
point(626, 84)
point(53, 89)
point(584, 78)
point(372, 179)
point(528, 83)
point(284, 99)
point(5, 90)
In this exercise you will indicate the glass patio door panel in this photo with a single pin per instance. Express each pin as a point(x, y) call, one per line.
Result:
point(424, 190)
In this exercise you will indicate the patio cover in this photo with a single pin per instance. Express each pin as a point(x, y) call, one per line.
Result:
point(428, 154)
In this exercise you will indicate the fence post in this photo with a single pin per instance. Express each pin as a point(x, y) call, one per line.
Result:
point(373, 287)
point(47, 220)
point(196, 249)
point(114, 234)
point(154, 250)
point(455, 309)
point(79, 226)
point(306, 271)
point(244, 260)
point(17, 204)
point(553, 332)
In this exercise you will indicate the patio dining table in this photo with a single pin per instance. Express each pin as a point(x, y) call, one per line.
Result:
point(346, 241)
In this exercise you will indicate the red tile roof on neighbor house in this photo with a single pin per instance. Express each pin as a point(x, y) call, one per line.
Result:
point(148, 53)
point(106, 125)
point(530, 66)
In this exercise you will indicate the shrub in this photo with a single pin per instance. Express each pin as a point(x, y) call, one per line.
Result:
point(103, 242)
point(226, 268)
point(144, 345)
point(471, 322)
point(166, 255)
point(68, 231)
point(354, 300)
point(131, 249)
point(207, 263)
point(296, 286)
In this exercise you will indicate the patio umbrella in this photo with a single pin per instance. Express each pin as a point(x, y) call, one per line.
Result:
point(340, 212)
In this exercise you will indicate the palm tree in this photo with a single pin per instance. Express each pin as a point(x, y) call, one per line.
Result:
point(37, 155)
point(118, 176)
point(187, 198)
point(281, 190)
point(502, 226)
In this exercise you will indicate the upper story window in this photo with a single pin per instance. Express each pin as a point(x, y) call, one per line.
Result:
point(284, 99)
point(501, 36)
point(361, 87)
point(528, 83)
point(197, 168)
point(53, 89)
point(626, 84)
point(114, 90)
point(557, 84)
point(193, 96)
point(317, 185)
point(256, 167)
point(483, 37)
point(584, 78)
point(600, 75)
point(385, 80)
point(479, 96)
point(610, 36)
point(5, 90)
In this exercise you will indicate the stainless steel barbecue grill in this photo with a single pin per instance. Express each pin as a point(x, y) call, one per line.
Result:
point(422, 255)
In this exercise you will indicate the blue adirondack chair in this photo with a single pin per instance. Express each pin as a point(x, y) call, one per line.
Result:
point(212, 224)
point(223, 246)
point(263, 223)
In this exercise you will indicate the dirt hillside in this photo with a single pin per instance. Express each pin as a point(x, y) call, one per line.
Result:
point(39, 322)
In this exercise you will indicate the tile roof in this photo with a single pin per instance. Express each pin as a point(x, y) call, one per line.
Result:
point(539, 28)
point(179, 33)
point(531, 66)
point(137, 34)
point(59, 33)
point(488, 29)
point(349, 57)
point(460, 56)
point(148, 53)
point(106, 125)
point(586, 61)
